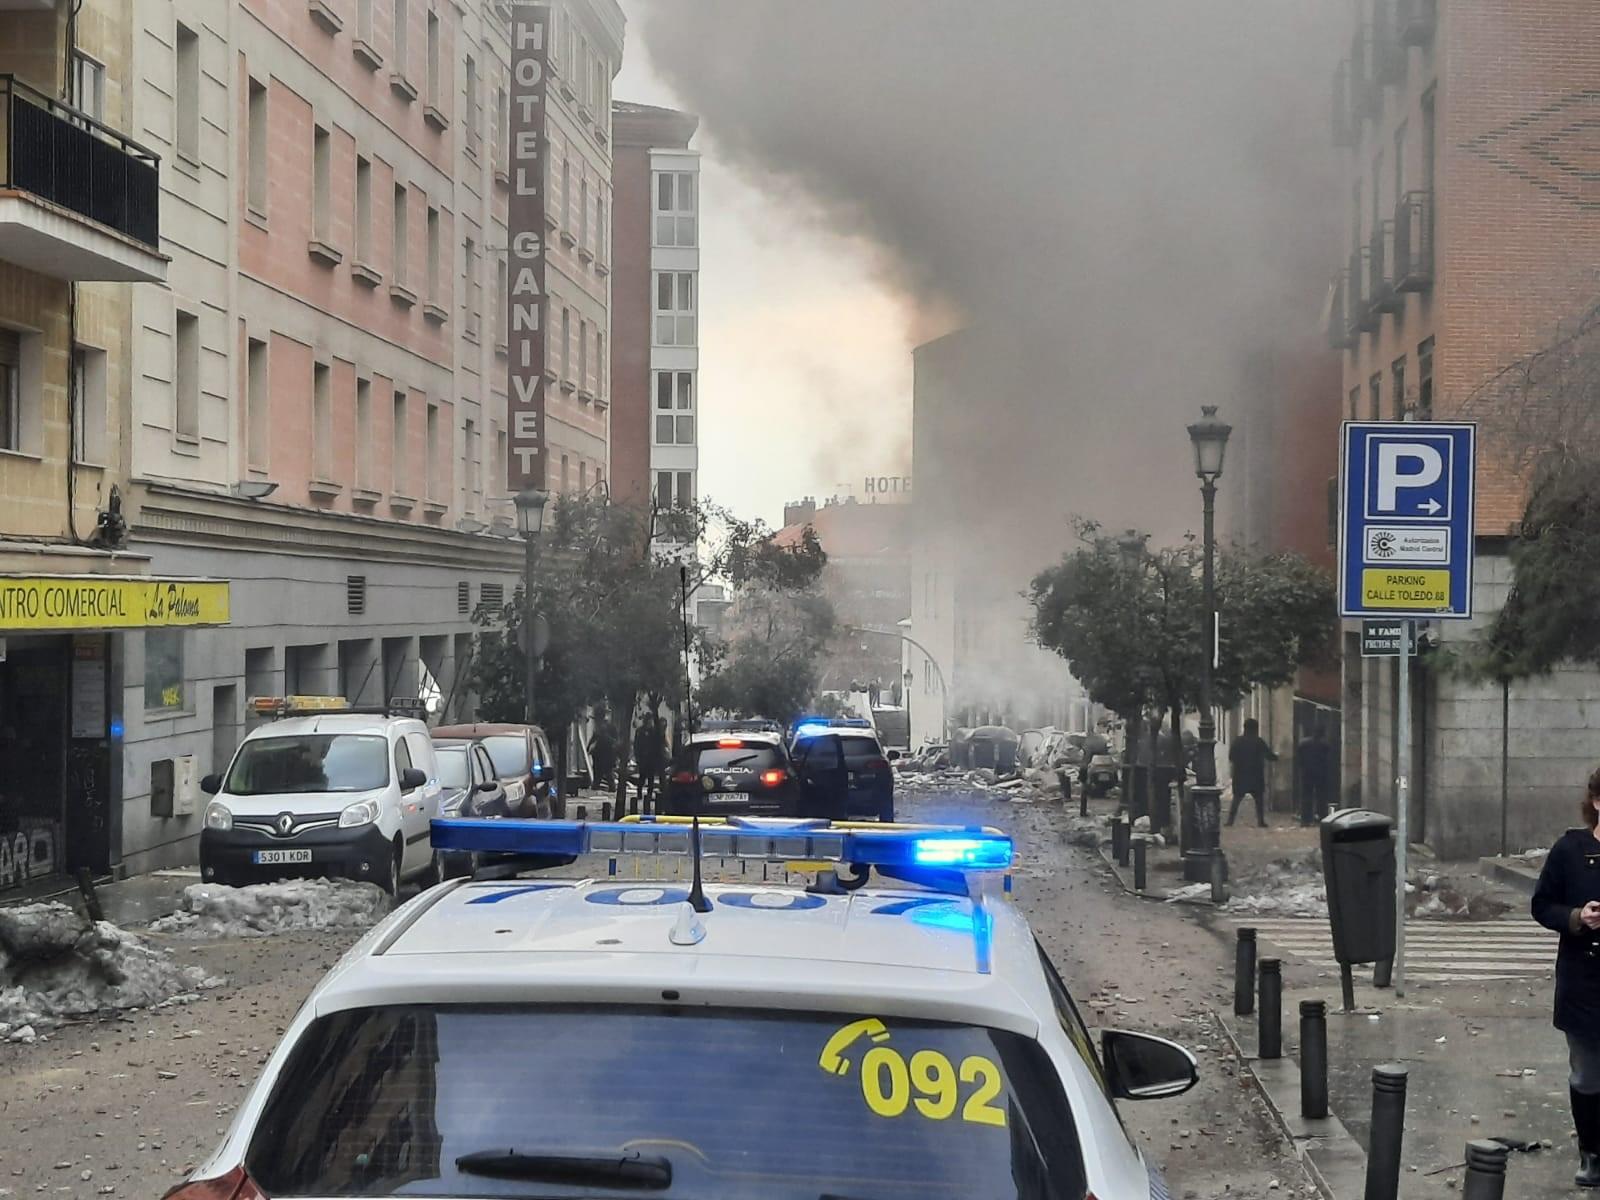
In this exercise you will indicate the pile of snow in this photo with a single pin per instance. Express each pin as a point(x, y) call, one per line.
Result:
point(213, 910)
point(55, 964)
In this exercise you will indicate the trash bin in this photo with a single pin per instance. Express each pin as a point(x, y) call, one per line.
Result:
point(1358, 867)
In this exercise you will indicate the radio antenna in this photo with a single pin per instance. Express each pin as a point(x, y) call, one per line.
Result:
point(697, 892)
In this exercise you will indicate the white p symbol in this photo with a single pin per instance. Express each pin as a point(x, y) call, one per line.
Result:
point(1429, 467)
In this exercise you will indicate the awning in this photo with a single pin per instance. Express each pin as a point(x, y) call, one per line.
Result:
point(63, 602)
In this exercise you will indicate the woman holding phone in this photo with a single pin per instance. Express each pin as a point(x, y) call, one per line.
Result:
point(1567, 900)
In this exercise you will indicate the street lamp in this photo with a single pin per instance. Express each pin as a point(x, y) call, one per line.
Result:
point(1210, 439)
point(531, 504)
point(1130, 548)
point(908, 679)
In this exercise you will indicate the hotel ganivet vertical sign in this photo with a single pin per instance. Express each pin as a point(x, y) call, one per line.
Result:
point(530, 72)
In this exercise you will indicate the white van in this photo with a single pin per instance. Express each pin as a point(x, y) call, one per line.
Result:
point(335, 793)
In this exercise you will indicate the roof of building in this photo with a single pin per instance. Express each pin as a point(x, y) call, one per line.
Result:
point(849, 529)
point(650, 125)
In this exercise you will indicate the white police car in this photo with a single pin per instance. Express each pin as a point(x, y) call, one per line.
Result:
point(538, 1037)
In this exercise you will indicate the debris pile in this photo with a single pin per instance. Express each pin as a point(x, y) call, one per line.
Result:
point(56, 964)
point(1025, 788)
point(214, 911)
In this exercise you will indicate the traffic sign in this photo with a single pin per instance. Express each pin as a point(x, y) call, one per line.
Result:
point(1406, 507)
point(1381, 639)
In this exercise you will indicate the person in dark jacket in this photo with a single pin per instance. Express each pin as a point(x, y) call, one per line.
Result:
point(1248, 756)
point(1313, 760)
point(1567, 900)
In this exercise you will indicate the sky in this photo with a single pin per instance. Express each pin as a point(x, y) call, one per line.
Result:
point(805, 350)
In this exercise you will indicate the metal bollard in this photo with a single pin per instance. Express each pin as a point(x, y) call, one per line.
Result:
point(1219, 877)
point(605, 810)
point(1388, 1131)
point(1119, 840)
point(1141, 846)
point(1244, 974)
point(1486, 1171)
point(583, 812)
point(1269, 1022)
point(1313, 1059)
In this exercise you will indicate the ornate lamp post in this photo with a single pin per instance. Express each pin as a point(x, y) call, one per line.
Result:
point(1210, 439)
point(530, 523)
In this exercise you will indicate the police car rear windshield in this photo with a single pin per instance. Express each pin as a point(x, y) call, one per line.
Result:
point(310, 762)
point(736, 1103)
point(752, 756)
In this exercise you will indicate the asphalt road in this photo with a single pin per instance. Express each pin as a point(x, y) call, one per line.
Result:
point(125, 1106)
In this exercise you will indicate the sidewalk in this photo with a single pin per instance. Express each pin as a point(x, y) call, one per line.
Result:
point(131, 903)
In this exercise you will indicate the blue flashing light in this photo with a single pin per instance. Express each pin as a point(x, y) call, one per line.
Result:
point(116, 728)
point(972, 853)
point(811, 729)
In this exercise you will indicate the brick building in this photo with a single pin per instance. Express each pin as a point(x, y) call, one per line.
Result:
point(1473, 218)
point(655, 284)
point(320, 396)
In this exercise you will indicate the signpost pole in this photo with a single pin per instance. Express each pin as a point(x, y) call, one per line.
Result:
point(1402, 803)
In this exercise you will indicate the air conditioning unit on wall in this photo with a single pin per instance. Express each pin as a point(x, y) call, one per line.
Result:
point(185, 785)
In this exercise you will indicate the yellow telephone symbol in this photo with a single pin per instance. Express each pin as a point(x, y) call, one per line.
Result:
point(833, 1060)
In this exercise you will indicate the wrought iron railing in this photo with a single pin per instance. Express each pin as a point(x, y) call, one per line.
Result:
point(1413, 242)
point(65, 156)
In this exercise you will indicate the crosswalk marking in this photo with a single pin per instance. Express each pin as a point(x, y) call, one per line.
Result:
point(1436, 951)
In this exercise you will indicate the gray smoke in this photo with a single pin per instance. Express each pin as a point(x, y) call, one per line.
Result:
point(1139, 192)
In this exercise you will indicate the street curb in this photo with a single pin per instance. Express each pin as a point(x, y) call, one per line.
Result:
point(1518, 878)
point(1155, 894)
point(1331, 1157)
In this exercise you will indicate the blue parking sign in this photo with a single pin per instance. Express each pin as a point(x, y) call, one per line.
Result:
point(1406, 508)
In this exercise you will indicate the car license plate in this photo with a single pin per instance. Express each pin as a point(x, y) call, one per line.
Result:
point(729, 798)
point(272, 858)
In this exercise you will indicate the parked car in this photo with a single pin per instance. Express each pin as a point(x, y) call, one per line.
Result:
point(868, 766)
point(323, 790)
point(470, 787)
point(522, 762)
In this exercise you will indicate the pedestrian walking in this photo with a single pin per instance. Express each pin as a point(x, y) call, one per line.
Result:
point(1248, 757)
point(647, 757)
point(1567, 900)
point(603, 751)
point(1313, 760)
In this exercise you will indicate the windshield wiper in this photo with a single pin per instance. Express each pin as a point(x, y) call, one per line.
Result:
point(616, 1168)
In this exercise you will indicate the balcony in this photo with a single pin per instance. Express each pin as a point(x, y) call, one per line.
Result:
point(1366, 93)
point(1381, 292)
point(1413, 242)
point(78, 200)
point(1415, 21)
point(1363, 316)
point(1388, 54)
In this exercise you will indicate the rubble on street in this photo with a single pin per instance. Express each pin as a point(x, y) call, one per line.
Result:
point(55, 964)
point(260, 910)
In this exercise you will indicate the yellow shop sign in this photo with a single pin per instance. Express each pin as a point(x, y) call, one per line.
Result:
point(92, 602)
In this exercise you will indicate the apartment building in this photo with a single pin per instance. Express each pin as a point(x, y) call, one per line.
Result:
point(80, 223)
point(655, 355)
point(1465, 131)
point(319, 398)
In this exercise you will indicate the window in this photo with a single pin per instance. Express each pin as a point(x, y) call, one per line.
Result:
point(1377, 191)
point(364, 20)
point(501, 453)
point(186, 376)
point(675, 321)
point(1427, 147)
point(1397, 385)
point(470, 473)
point(88, 405)
point(402, 233)
point(401, 39)
point(1425, 379)
point(1399, 164)
point(675, 208)
point(566, 344)
point(89, 85)
point(663, 489)
point(256, 166)
point(397, 454)
point(600, 243)
point(583, 354)
point(675, 408)
point(364, 434)
point(311, 762)
point(321, 182)
point(10, 390)
point(501, 294)
point(1355, 404)
point(583, 215)
point(433, 58)
point(472, 104)
point(472, 293)
point(685, 488)
point(433, 254)
point(566, 192)
point(322, 421)
point(601, 366)
point(186, 92)
point(256, 404)
point(363, 209)
point(1375, 397)
point(431, 475)
point(583, 477)
point(566, 474)
point(163, 670)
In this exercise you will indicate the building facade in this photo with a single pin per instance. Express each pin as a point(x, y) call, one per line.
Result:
point(1473, 225)
point(655, 356)
point(80, 225)
point(319, 398)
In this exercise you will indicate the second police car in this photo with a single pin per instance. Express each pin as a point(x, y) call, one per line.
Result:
point(547, 1036)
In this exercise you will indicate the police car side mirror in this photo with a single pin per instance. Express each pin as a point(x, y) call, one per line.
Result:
point(211, 784)
point(1141, 1066)
point(411, 779)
